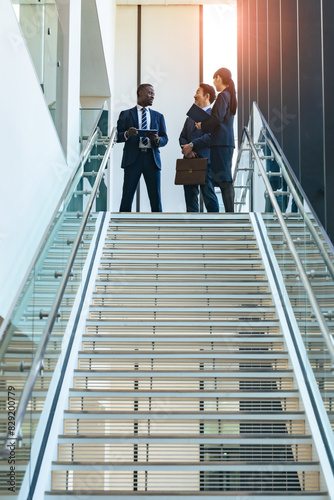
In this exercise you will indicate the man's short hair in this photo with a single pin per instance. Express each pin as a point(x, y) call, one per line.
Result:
point(143, 86)
point(208, 89)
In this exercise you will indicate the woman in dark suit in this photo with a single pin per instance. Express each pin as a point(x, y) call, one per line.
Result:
point(220, 124)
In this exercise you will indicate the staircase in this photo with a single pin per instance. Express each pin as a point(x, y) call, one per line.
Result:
point(184, 387)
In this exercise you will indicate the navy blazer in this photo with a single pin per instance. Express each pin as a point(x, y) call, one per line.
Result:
point(200, 140)
point(220, 124)
point(129, 118)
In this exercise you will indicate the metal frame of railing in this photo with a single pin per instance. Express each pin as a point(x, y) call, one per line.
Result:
point(47, 238)
point(302, 273)
point(302, 210)
point(245, 188)
point(289, 172)
point(39, 354)
point(5, 333)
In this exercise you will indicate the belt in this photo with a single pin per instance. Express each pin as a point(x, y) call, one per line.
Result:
point(145, 150)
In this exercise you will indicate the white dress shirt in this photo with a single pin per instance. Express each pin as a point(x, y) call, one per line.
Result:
point(148, 116)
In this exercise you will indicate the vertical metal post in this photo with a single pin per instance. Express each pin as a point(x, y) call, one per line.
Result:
point(201, 205)
point(251, 189)
point(138, 83)
point(200, 43)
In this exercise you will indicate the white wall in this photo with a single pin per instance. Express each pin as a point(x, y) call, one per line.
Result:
point(33, 168)
point(170, 62)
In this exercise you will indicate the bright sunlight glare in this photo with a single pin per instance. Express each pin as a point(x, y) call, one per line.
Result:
point(219, 39)
point(220, 46)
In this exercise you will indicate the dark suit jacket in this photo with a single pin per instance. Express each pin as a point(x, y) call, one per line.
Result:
point(221, 122)
point(200, 140)
point(129, 118)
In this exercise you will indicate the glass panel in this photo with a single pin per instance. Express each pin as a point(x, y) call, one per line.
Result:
point(40, 27)
point(88, 117)
point(312, 245)
point(243, 179)
point(26, 326)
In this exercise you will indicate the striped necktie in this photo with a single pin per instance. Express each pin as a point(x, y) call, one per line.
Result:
point(144, 125)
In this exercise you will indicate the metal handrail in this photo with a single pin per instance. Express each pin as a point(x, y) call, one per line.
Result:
point(312, 298)
point(39, 354)
point(46, 240)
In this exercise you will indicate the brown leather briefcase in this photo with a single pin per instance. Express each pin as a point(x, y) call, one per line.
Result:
point(191, 171)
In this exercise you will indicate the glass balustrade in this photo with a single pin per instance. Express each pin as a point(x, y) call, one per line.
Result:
point(23, 332)
point(309, 239)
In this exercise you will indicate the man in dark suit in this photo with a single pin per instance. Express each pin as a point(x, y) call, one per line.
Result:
point(141, 155)
point(195, 143)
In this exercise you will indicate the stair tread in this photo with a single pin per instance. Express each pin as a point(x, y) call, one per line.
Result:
point(285, 414)
point(241, 374)
point(203, 464)
point(197, 437)
point(157, 494)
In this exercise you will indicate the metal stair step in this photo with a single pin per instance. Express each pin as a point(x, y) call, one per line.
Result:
point(221, 439)
point(165, 232)
point(260, 274)
point(178, 286)
point(180, 245)
point(260, 356)
point(202, 466)
point(183, 415)
point(182, 255)
point(95, 393)
point(158, 495)
point(218, 307)
point(244, 404)
point(177, 314)
point(201, 374)
point(211, 338)
point(234, 323)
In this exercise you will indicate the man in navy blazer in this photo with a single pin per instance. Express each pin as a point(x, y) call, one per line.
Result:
point(195, 143)
point(141, 154)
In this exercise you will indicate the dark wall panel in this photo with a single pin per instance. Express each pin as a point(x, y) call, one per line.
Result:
point(245, 68)
point(252, 18)
point(290, 96)
point(262, 47)
point(286, 64)
point(274, 68)
point(240, 89)
point(311, 104)
point(328, 37)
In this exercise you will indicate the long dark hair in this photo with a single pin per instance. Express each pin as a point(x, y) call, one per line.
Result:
point(226, 77)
